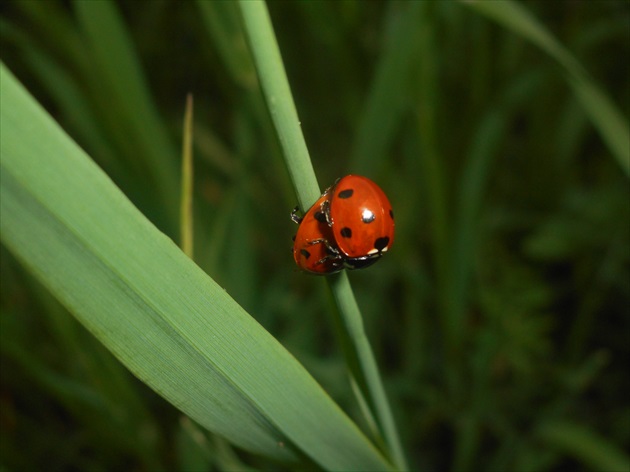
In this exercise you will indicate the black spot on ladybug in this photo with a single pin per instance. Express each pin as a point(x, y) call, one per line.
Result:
point(368, 216)
point(345, 193)
point(346, 232)
point(391, 213)
point(319, 216)
point(293, 238)
point(381, 243)
point(305, 253)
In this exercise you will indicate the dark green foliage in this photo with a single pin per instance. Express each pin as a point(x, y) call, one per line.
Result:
point(500, 318)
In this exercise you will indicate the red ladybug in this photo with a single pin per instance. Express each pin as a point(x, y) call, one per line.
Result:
point(361, 219)
point(314, 249)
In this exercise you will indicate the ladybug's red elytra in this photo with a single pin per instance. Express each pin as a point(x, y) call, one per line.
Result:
point(351, 225)
point(362, 220)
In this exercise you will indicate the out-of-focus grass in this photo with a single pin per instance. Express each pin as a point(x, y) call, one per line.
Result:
point(502, 307)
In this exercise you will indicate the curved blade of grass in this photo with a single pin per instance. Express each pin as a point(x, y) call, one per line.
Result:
point(590, 448)
point(280, 104)
point(390, 90)
point(222, 22)
point(116, 68)
point(65, 90)
point(613, 127)
point(275, 86)
point(166, 320)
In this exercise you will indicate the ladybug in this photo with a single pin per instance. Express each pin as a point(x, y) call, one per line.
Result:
point(314, 249)
point(361, 219)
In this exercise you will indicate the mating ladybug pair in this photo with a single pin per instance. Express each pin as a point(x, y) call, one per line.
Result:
point(350, 226)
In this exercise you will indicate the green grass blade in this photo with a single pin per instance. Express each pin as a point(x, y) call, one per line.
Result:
point(388, 97)
point(116, 67)
point(434, 169)
point(277, 93)
point(222, 22)
point(166, 320)
point(367, 374)
point(605, 116)
point(590, 448)
point(611, 124)
point(186, 210)
point(66, 92)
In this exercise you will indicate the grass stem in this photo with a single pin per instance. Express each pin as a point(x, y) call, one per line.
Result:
point(186, 213)
point(279, 100)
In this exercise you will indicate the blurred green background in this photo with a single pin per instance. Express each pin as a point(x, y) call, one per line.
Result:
point(500, 318)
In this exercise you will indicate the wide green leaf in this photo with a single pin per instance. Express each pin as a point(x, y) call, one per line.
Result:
point(165, 319)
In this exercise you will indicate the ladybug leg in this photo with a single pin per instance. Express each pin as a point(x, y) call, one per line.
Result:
point(327, 191)
point(325, 206)
point(295, 217)
point(335, 258)
point(332, 252)
point(325, 209)
point(336, 263)
point(319, 241)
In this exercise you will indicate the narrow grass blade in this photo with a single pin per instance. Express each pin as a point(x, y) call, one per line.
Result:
point(389, 93)
point(223, 25)
point(277, 93)
point(117, 69)
point(161, 316)
point(585, 445)
point(275, 86)
point(605, 116)
point(66, 91)
point(367, 374)
point(186, 210)
point(434, 172)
